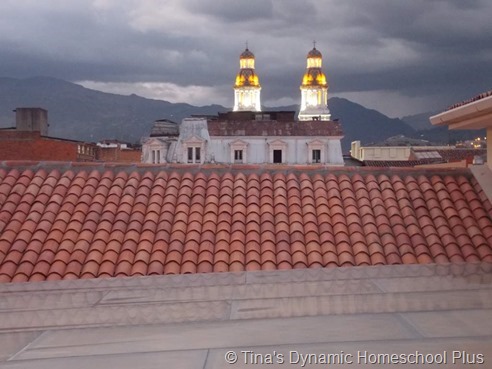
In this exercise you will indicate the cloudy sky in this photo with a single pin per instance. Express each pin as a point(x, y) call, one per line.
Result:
point(399, 57)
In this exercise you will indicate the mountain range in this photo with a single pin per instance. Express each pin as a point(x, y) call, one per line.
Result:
point(76, 112)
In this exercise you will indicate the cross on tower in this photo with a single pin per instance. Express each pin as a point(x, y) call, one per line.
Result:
point(314, 44)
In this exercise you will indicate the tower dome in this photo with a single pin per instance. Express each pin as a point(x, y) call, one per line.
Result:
point(314, 89)
point(314, 53)
point(247, 54)
point(247, 85)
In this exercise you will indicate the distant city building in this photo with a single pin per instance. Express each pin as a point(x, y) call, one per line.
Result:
point(247, 86)
point(160, 146)
point(395, 153)
point(118, 152)
point(412, 155)
point(110, 144)
point(257, 138)
point(248, 136)
point(29, 140)
point(477, 143)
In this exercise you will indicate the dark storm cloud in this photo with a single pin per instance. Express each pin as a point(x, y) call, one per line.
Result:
point(413, 48)
point(451, 42)
point(419, 47)
point(78, 46)
point(232, 11)
point(433, 26)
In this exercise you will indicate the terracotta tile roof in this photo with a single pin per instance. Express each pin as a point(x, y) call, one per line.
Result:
point(461, 154)
point(273, 128)
point(62, 221)
point(400, 163)
point(446, 156)
point(469, 101)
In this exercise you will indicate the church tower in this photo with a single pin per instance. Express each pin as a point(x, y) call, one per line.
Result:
point(314, 90)
point(247, 87)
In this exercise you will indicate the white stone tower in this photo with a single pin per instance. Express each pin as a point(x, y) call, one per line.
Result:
point(314, 90)
point(247, 87)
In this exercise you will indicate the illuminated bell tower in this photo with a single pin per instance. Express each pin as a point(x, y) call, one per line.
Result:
point(247, 87)
point(314, 90)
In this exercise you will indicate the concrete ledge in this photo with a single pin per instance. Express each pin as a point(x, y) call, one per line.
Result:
point(191, 321)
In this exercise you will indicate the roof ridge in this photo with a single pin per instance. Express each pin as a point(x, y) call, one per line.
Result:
point(223, 168)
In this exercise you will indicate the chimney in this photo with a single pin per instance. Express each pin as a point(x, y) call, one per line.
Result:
point(32, 119)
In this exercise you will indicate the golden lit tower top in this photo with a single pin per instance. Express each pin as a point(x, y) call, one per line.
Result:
point(314, 89)
point(247, 87)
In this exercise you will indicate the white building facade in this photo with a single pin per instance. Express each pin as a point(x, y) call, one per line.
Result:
point(276, 150)
point(232, 138)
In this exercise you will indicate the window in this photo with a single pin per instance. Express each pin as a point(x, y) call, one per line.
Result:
point(262, 116)
point(194, 155)
point(277, 150)
point(238, 156)
point(238, 152)
point(156, 156)
point(316, 152)
point(277, 156)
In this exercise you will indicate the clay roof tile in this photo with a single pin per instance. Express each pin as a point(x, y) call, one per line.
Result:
point(79, 224)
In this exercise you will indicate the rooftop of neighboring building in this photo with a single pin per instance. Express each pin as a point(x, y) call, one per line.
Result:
point(109, 141)
point(349, 161)
point(270, 123)
point(474, 113)
point(402, 163)
point(402, 140)
point(71, 221)
point(275, 128)
point(469, 101)
point(13, 134)
point(278, 116)
point(164, 128)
